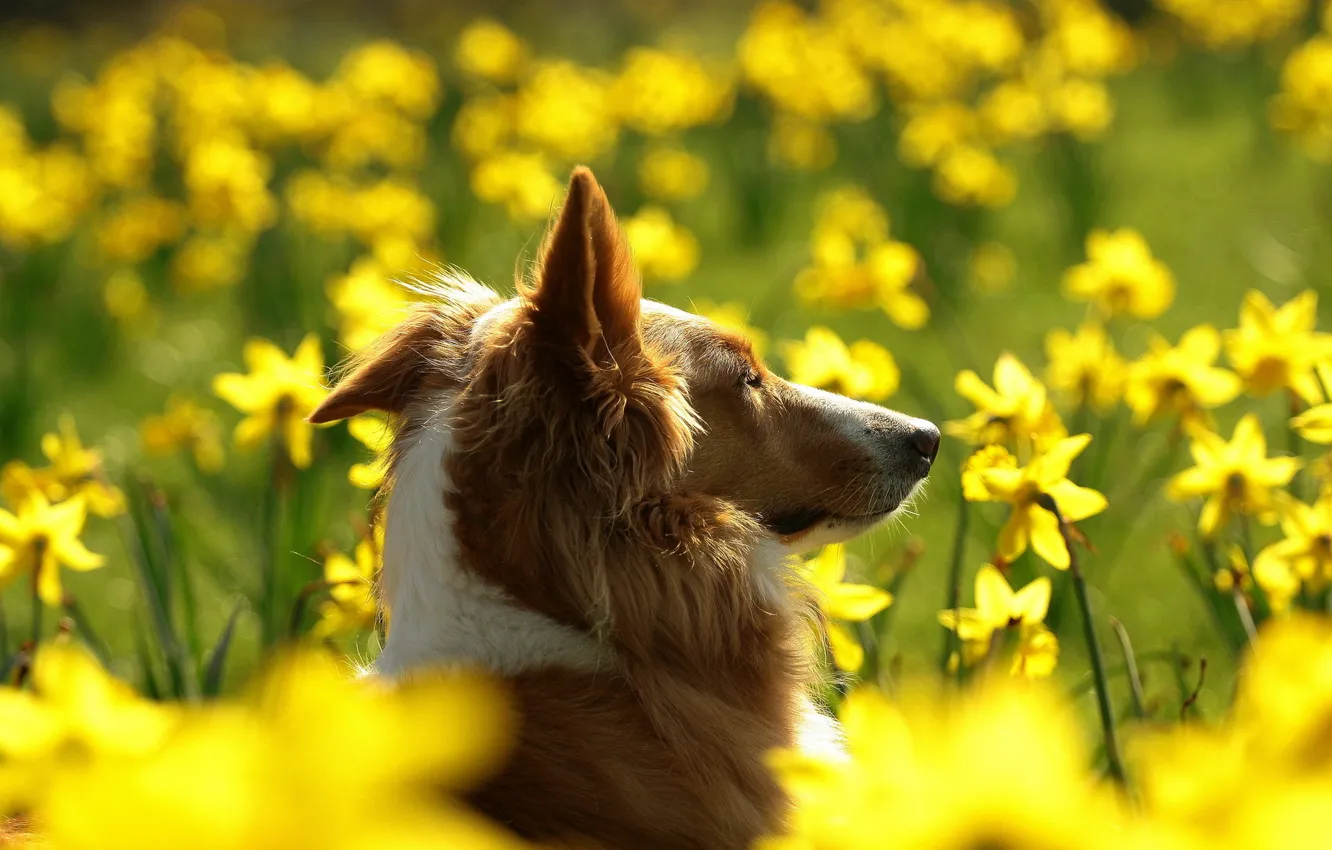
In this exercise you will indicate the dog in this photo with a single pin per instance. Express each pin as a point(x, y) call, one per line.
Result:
point(597, 498)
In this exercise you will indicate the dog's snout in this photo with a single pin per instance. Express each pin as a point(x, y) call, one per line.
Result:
point(924, 438)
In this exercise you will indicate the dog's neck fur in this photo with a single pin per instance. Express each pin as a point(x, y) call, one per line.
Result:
point(442, 612)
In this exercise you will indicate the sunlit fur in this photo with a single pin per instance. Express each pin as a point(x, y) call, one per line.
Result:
point(596, 498)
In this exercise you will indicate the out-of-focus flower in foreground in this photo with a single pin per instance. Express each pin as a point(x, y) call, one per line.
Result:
point(1236, 477)
point(843, 602)
point(276, 395)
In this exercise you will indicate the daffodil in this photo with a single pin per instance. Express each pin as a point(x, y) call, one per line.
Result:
point(184, 425)
point(1024, 489)
point(1315, 424)
point(1085, 367)
point(1121, 276)
point(664, 249)
point(1276, 349)
point(864, 369)
point(1236, 477)
point(843, 602)
point(351, 604)
point(1016, 411)
point(1181, 379)
point(276, 396)
point(38, 538)
point(999, 608)
point(1302, 557)
point(973, 468)
point(75, 471)
point(373, 433)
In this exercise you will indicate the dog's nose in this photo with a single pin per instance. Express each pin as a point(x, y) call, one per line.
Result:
point(925, 438)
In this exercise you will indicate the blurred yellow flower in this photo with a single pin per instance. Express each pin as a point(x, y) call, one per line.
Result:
point(1303, 557)
point(522, 182)
point(373, 433)
point(567, 111)
point(1085, 367)
point(1083, 108)
point(1303, 107)
point(672, 173)
point(972, 176)
point(126, 299)
point(368, 303)
point(385, 72)
point(1121, 276)
point(205, 262)
point(75, 472)
point(840, 601)
point(663, 249)
point(276, 396)
point(1236, 477)
point(864, 370)
point(1182, 379)
point(1016, 412)
point(139, 226)
point(227, 183)
point(986, 457)
point(1315, 424)
point(934, 131)
point(269, 757)
point(184, 425)
point(1277, 348)
point(1229, 24)
point(38, 538)
point(489, 50)
point(351, 588)
point(1024, 489)
point(664, 91)
point(999, 608)
point(483, 125)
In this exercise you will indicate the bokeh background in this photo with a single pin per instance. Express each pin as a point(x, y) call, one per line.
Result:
point(918, 174)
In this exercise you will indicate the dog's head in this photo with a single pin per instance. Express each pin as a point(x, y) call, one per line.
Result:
point(580, 389)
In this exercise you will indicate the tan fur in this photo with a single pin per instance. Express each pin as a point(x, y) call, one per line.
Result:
point(613, 470)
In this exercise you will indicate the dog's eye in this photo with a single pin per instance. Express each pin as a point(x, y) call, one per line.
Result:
point(753, 379)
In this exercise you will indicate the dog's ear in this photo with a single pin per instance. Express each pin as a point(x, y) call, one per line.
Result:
point(388, 373)
point(588, 291)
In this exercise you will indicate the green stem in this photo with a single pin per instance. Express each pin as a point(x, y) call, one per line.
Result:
point(1294, 446)
point(37, 609)
point(1131, 667)
point(1093, 645)
point(1245, 615)
point(955, 579)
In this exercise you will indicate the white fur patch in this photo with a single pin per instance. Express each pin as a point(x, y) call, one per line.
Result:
point(441, 611)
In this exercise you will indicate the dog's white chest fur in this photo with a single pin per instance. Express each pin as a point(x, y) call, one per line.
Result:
point(441, 611)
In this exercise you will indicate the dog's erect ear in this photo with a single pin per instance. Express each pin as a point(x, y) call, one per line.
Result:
point(388, 373)
point(588, 289)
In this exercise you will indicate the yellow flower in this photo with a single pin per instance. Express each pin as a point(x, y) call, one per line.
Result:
point(38, 538)
point(1085, 366)
point(268, 757)
point(999, 608)
point(1304, 556)
point(351, 606)
point(483, 125)
point(566, 111)
point(1229, 24)
point(1182, 379)
point(1277, 348)
point(663, 249)
point(74, 472)
point(1315, 424)
point(839, 600)
point(276, 395)
point(660, 91)
point(1121, 276)
point(985, 457)
point(489, 50)
point(205, 262)
point(1017, 411)
point(387, 73)
point(126, 299)
point(138, 227)
point(864, 370)
point(1237, 477)
point(992, 268)
point(520, 181)
point(368, 303)
point(734, 317)
point(971, 176)
point(672, 174)
point(800, 145)
point(1024, 489)
point(373, 433)
point(184, 425)
point(1083, 108)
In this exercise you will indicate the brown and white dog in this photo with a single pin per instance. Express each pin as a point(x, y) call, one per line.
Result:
point(596, 498)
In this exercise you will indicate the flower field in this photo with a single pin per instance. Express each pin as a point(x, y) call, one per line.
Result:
point(1087, 238)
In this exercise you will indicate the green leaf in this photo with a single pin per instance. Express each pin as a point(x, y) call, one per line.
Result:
point(217, 660)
